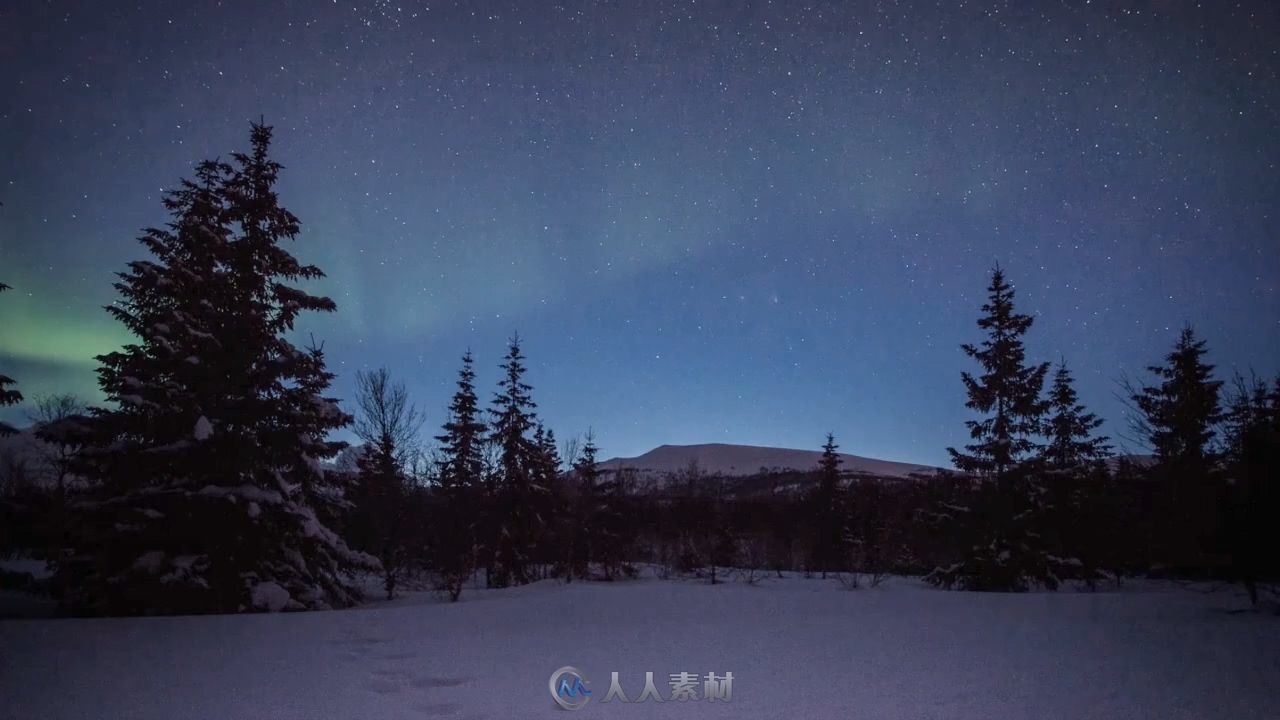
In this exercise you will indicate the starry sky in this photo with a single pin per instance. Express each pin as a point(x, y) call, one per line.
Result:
point(716, 221)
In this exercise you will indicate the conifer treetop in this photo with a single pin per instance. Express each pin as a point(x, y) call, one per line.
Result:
point(586, 465)
point(513, 412)
point(1008, 390)
point(462, 438)
point(1070, 426)
point(1182, 410)
point(830, 461)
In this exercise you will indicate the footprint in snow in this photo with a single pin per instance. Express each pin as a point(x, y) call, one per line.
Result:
point(370, 640)
point(437, 708)
point(437, 682)
point(391, 674)
point(400, 656)
point(384, 686)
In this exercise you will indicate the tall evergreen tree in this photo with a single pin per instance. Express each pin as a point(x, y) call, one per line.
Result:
point(8, 396)
point(463, 438)
point(1008, 389)
point(461, 474)
point(829, 464)
point(589, 531)
point(606, 533)
point(209, 495)
point(997, 525)
point(1178, 416)
point(1078, 521)
point(1070, 427)
point(517, 498)
point(829, 531)
point(552, 493)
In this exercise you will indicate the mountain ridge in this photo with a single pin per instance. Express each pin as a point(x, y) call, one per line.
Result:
point(740, 460)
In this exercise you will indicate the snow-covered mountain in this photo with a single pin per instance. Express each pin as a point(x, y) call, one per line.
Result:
point(738, 460)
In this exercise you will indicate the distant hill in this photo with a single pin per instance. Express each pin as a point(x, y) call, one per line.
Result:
point(740, 460)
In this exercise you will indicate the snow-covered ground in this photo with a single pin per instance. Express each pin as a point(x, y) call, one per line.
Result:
point(797, 649)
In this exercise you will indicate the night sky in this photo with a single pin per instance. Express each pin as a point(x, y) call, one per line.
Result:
point(710, 222)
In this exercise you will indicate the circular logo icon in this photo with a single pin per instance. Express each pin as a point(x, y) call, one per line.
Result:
point(569, 688)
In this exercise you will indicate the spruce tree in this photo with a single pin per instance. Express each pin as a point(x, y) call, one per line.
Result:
point(1079, 523)
point(605, 531)
point(828, 509)
point(996, 523)
point(554, 494)
point(516, 523)
point(8, 396)
point(586, 531)
point(208, 494)
point(1178, 416)
point(462, 441)
point(1008, 389)
point(1069, 428)
point(461, 474)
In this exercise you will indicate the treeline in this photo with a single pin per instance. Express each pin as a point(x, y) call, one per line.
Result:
point(495, 502)
point(1037, 499)
point(205, 485)
point(1037, 504)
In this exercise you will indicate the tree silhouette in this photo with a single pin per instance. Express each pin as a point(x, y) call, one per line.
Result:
point(1008, 389)
point(208, 494)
